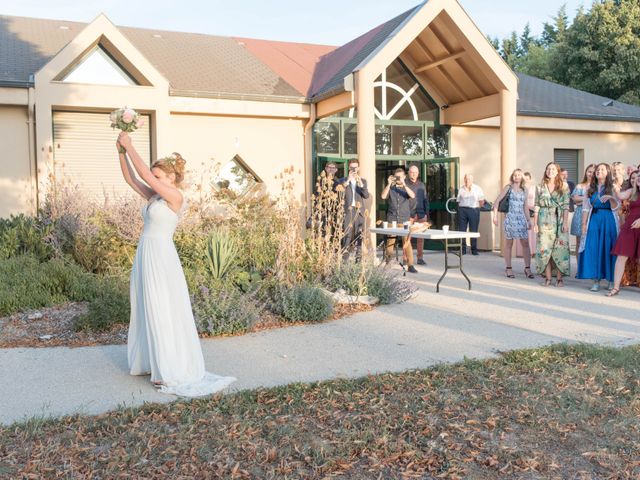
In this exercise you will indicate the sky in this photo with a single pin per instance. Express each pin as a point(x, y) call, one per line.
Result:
point(331, 22)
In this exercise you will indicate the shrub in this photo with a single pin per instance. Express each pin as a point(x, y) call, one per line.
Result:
point(100, 236)
point(222, 251)
point(368, 279)
point(222, 309)
point(23, 235)
point(110, 306)
point(27, 283)
point(303, 303)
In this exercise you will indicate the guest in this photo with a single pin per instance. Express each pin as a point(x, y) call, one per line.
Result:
point(551, 221)
point(355, 193)
point(399, 198)
point(599, 229)
point(531, 205)
point(470, 199)
point(631, 275)
point(627, 247)
point(630, 170)
point(564, 173)
point(420, 213)
point(617, 173)
point(578, 195)
point(516, 223)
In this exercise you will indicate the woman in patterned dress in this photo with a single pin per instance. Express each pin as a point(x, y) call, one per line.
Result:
point(578, 196)
point(516, 223)
point(627, 247)
point(551, 222)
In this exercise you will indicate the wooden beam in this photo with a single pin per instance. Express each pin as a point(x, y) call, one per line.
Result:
point(472, 110)
point(448, 77)
point(433, 91)
point(332, 105)
point(448, 58)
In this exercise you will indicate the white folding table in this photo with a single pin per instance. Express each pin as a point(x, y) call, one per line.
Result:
point(450, 239)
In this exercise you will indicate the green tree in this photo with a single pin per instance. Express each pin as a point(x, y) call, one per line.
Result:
point(554, 32)
point(600, 52)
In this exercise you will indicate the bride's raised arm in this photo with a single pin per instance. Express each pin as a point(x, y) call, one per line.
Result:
point(130, 176)
point(172, 195)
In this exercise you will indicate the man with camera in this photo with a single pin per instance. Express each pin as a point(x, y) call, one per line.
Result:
point(399, 209)
point(355, 193)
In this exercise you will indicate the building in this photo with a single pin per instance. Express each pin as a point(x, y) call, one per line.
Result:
point(425, 87)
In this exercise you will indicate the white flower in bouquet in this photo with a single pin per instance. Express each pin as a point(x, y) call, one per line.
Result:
point(126, 119)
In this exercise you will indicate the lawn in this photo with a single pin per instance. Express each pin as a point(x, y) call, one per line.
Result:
point(556, 412)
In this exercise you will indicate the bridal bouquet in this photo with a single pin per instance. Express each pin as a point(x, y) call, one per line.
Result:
point(126, 119)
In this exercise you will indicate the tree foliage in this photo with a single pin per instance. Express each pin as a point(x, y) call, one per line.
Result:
point(598, 51)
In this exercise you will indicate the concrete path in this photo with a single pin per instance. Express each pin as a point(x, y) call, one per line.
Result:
point(497, 315)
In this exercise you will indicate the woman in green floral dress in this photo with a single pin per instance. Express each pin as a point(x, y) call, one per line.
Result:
point(551, 223)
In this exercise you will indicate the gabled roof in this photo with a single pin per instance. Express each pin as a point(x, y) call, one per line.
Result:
point(294, 62)
point(193, 63)
point(196, 64)
point(335, 66)
point(542, 98)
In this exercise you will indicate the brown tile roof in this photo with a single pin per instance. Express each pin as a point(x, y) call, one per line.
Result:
point(295, 62)
point(207, 64)
point(334, 67)
point(190, 62)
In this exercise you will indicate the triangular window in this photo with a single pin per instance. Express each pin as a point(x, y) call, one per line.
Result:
point(99, 68)
point(236, 177)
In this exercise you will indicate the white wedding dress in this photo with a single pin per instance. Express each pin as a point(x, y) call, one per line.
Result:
point(163, 339)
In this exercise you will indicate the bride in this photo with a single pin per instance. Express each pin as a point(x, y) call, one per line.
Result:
point(163, 340)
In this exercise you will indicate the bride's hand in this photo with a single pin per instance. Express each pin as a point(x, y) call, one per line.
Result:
point(125, 140)
point(120, 147)
point(636, 224)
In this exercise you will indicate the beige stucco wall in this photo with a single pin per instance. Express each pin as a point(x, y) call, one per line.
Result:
point(15, 172)
point(479, 152)
point(267, 145)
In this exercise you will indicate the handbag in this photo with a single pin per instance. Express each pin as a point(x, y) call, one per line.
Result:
point(503, 206)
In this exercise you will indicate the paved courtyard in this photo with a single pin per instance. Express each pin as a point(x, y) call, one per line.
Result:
point(497, 314)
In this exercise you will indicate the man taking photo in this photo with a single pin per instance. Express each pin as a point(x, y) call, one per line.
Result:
point(355, 193)
point(399, 206)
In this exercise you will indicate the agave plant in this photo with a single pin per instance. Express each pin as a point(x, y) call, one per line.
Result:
point(222, 250)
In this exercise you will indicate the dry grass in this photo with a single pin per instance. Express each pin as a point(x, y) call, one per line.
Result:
point(558, 412)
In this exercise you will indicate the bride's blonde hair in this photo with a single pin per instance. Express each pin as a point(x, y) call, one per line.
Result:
point(174, 163)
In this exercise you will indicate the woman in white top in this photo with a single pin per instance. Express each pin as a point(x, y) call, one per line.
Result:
point(470, 199)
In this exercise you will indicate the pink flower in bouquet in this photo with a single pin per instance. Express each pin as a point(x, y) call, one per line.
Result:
point(140, 123)
point(127, 116)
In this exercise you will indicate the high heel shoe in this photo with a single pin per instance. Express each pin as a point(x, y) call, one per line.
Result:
point(509, 275)
point(527, 272)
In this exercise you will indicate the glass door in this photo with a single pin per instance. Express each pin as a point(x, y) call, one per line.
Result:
point(441, 178)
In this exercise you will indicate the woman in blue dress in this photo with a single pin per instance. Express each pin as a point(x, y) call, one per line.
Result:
point(578, 196)
point(599, 229)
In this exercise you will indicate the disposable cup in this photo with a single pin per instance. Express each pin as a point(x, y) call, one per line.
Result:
point(445, 228)
point(394, 224)
point(385, 224)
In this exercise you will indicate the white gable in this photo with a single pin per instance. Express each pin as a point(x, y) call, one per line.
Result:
point(99, 68)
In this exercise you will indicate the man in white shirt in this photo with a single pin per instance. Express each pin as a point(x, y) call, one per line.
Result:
point(470, 199)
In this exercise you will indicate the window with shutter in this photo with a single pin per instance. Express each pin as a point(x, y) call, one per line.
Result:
point(568, 159)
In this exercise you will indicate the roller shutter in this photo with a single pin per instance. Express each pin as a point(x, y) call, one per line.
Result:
point(567, 159)
point(85, 151)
